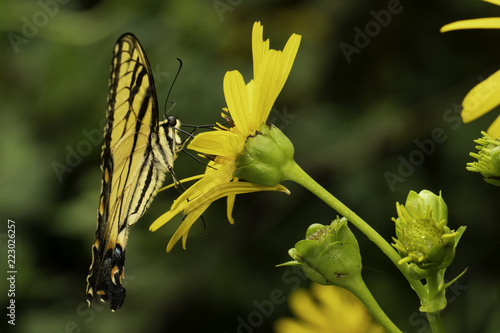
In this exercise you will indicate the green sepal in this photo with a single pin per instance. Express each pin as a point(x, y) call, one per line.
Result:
point(429, 202)
point(329, 255)
point(488, 159)
point(264, 157)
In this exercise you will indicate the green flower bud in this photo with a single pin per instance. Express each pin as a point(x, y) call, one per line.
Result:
point(488, 159)
point(422, 236)
point(264, 157)
point(329, 255)
point(429, 202)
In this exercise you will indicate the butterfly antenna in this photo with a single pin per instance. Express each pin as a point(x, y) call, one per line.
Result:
point(190, 135)
point(197, 159)
point(174, 177)
point(199, 126)
point(170, 90)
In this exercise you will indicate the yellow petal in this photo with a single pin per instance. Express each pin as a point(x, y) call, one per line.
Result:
point(495, 2)
point(184, 237)
point(494, 129)
point(194, 208)
point(482, 98)
point(258, 45)
point(304, 307)
point(480, 23)
point(196, 199)
point(207, 184)
point(230, 205)
point(184, 228)
point(226, 189)
point(237, 100)
point(289, 53)
point(164, 218)
point(252, 128)
point(182, 181)
point(187, 200)
point(344, 307)
point(288, 325)
point(217, 143)
point(271, 71)
point(265, 88)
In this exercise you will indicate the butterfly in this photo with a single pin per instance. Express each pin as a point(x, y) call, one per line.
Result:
point(137, 153)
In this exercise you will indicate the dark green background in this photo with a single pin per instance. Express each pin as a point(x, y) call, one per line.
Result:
point(350, 124)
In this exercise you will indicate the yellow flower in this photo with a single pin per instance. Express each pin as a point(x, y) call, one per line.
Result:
point(248, 106)
point(486, 95)
point(327, 309)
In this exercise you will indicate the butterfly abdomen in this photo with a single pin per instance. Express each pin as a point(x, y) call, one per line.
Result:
point(168, 143)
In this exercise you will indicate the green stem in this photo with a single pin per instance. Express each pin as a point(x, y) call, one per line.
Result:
point(361, 291)
point(435, 300)
point(294, 173)
point(435, 322)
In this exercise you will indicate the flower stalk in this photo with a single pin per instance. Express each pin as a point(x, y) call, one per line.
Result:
point(330, 256)
point(427, 247)
point(294, 173)
point(362, 292)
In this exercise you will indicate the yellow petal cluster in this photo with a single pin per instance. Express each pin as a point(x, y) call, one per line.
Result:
point(248, 106)
point(326, 309)
point(486, 95)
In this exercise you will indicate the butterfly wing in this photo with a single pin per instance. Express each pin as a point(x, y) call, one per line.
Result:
point(130, 173)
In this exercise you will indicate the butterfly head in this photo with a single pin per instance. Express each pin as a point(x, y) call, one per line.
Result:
point(172, 121)
point(169, 130)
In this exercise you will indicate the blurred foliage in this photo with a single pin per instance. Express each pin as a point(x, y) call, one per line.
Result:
point(350, 123)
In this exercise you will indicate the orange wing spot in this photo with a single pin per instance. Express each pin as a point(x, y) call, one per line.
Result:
point(100, 292)
point(101, 207)
point(106, 175)
point(113, 272)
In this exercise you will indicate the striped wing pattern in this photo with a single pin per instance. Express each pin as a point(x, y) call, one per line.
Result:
point(137, 153)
